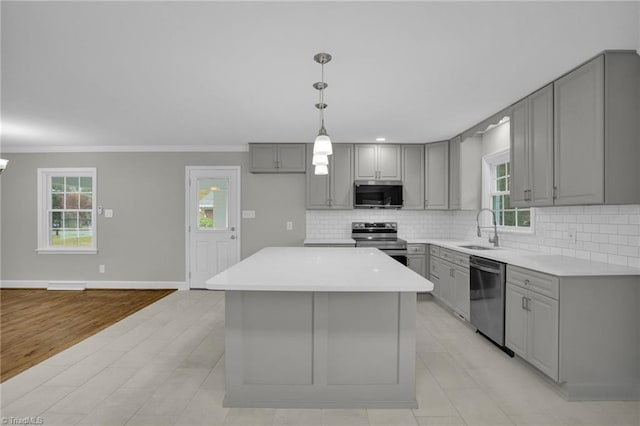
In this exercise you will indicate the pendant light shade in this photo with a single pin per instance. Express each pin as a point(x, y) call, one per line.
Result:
point(322, 145)
point(320, 160)
point(321, 170)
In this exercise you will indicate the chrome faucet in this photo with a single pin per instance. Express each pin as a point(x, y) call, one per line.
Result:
point(493, 240)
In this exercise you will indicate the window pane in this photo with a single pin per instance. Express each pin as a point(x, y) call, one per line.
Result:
point(507, 169)
point(86, 201)
point(57, 201)
point(72, 184)
point(524, 218)
point(85, 237)
point(57, 184)
point(70, 237)
point(501, 184)
point(84, 219)
point(70, 219)
point(497, 202)
point(213, 195)
point(506, 183)
point(86, 184)
point(509, 218)
point(56, 237)
point(71, 201)
point(501, 170)
point(55, 220)
point(499, 218)
point(506, 202)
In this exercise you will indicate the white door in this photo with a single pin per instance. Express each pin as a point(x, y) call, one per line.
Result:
point(213, 209)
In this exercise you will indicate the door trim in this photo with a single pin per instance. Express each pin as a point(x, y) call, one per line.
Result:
point(187, 241)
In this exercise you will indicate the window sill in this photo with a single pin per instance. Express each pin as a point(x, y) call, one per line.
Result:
point(516, 231)
point(66, 251)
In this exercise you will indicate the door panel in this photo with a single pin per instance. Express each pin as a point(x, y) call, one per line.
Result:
point(519, 154)
point(213, 220)
point(541, 147)
point(542, 334)
point(515, 335)
point(366, 161)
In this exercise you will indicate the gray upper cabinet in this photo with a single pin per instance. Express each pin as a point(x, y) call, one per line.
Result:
point(436, 163)
point(335, 190)
point(413, 176)
point(532, 150)
point(277, 158)
point(596, 132)
point(454, 173)
point(377, 162)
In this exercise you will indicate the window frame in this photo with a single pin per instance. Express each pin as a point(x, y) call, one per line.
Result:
point(489, 162)
point(43, 206)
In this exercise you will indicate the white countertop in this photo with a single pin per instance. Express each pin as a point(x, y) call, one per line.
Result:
point(330, 241)
point(322, 269)
point(561, 266)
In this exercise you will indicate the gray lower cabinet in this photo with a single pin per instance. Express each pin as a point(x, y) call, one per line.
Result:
point(436, 163)
point(451, 269)
point(454, 173)
point(413, 176)
point(417, 258)
point(334, 190)
point(277, 158)
point(378, 162)
point(531, 150)
point(596, 132)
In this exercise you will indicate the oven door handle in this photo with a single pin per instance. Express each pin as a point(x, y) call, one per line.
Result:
point(394, 252)
point(484, 268)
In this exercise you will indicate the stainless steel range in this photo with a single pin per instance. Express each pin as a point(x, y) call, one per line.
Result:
point(381, 235)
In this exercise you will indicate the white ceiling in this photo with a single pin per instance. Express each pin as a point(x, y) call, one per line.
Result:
point(216, 75)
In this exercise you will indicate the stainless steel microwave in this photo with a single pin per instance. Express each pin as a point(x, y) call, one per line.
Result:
point(377, 194)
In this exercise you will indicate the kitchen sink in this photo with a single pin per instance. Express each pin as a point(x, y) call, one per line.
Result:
point(474, 247)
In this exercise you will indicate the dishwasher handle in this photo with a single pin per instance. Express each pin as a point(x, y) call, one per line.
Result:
point(485, 268)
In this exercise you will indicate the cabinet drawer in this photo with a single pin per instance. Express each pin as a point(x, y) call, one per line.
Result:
point(416, 249)
point(447, 254)
point(434, 250)
point(534, 281)
point(461, 259)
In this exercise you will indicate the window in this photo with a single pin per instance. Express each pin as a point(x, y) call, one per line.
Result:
point(496, 183)
point(66, 210)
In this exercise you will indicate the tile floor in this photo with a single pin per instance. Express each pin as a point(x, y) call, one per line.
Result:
point(165, 365)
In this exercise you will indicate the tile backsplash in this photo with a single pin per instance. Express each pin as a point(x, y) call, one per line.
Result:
point(608, 234)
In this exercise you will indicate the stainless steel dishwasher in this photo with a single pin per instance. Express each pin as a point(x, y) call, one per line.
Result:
point(487, 294)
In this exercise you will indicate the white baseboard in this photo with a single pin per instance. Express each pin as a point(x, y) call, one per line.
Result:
point(180, 285)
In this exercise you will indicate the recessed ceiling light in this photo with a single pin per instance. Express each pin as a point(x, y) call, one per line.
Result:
point(381, 139)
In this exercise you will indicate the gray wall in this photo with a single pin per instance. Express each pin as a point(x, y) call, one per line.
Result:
point(145, 240)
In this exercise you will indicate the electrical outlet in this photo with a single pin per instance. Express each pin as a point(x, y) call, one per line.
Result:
point(101, 269)
point(572, 236)
point(289, 226)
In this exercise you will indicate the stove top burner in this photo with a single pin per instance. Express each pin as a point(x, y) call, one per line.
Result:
point(382, 235)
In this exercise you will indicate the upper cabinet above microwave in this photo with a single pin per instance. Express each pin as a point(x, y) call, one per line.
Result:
point(378, 162)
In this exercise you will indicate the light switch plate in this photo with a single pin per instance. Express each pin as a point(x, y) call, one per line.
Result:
point(108, 212)
point(248, 214)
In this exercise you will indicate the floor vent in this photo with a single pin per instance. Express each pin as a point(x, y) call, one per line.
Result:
point(67, 286)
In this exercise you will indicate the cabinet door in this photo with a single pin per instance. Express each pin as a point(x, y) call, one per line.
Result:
point(413, 176)
point(579, 135)
point(317, 185)
point(389, 162)
point(540, 148)
point(519, 153)
point(291, 157)
point(417, 263)
point(542, 333)
point(436, 176)
point(461, 292)
point(341, 176)
point(366, 161)
point(446, 283)
point(264, 157)
point(515, 322)
point(454, 173)
point(436, 286)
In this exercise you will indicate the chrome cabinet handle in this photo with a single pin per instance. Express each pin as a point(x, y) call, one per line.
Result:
point(527, 282)
point(522, 304)
point(233, 228)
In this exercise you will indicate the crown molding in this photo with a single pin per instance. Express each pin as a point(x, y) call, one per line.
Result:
point(20, 149)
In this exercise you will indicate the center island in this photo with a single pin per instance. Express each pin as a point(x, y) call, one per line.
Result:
point(320, 327)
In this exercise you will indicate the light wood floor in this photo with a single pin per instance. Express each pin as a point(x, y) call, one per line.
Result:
point(37, 324)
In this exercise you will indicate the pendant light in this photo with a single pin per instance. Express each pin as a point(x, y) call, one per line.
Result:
point(322, 145)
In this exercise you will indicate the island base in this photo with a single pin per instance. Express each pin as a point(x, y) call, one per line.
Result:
point(320, 350)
